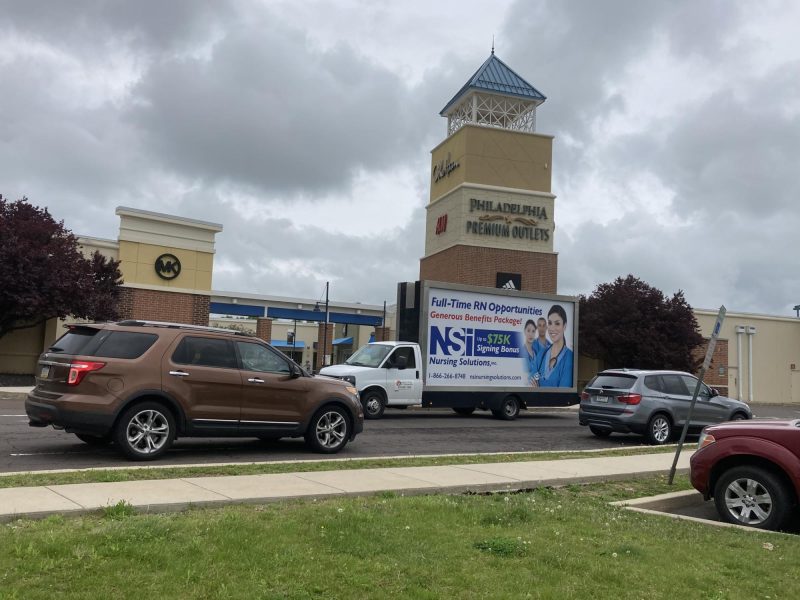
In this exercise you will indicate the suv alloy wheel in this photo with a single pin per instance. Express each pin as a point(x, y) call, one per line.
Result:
point(329, 430)
point(145, 431)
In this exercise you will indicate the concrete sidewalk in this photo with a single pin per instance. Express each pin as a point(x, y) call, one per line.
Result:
point(177, 494)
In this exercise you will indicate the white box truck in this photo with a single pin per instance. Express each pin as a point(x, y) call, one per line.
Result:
point(467, 348)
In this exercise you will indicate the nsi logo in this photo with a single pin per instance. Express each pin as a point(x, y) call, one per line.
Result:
point(452, 341)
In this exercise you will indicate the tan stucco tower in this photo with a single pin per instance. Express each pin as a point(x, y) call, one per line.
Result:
point(490, 215)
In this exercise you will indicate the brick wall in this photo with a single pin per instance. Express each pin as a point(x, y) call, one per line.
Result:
point(153, 305)
point(382, 334)
point(264, 329)
point(327, 348)
point(473, 265)
point(719, 358)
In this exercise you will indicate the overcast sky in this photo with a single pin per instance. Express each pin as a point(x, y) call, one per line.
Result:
point(305, 129)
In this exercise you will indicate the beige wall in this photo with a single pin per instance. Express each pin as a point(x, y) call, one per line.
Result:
point(20, 349)
point(775, 356)
point(459, 210)
point(494, 157)
point(137, 264)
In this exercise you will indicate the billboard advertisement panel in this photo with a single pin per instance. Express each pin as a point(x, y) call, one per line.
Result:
point(498, 340)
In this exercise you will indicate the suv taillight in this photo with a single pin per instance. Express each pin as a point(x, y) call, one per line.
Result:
point(78, 370)
point(630, 398)
point(585, 395)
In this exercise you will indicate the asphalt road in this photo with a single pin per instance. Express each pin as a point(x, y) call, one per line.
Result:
point(399, 433)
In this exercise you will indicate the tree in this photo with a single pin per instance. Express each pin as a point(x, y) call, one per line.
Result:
point(43, 274)
point(629, 323)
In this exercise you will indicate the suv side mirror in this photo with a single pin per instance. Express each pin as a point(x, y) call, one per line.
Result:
point(294, 370)
point(401, 362)
point(714, 392)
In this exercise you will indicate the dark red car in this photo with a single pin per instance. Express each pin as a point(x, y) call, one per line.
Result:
point(751, 469)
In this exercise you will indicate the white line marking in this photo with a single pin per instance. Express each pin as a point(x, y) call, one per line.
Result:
point(13, 415)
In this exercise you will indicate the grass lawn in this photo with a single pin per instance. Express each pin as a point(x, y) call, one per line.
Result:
point(106, 475)
point(550, 543)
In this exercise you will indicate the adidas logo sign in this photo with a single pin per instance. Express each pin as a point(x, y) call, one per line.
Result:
point(509, 285)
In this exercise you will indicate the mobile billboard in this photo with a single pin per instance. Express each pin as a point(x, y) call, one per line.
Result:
point(498, 340)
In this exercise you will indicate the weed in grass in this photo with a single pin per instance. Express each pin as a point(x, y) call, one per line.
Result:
point(118, 511)
point(504, 546)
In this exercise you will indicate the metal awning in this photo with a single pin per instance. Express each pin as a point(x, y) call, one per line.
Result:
point(345, 341)
point(297, 344)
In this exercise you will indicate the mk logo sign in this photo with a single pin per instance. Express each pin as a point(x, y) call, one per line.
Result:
point(168, 266)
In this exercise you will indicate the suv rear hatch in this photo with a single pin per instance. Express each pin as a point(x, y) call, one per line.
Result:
point(609, 394)
point(56, 363)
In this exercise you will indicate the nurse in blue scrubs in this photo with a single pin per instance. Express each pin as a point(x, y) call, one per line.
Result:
point(555, 365)
point(528, 351)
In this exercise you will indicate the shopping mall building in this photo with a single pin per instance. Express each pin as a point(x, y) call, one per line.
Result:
point(490, 222)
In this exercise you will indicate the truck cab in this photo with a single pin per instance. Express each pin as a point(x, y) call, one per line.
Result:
point(385, 374)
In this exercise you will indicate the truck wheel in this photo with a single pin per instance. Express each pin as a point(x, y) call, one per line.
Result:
point(464, 411)
point(752, 496)
point(509, 409)
point(374, 404)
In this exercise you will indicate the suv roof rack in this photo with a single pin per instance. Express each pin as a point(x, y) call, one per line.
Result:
point(145, 323)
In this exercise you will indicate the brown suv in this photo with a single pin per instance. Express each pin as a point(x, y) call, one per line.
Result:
point(142, 384)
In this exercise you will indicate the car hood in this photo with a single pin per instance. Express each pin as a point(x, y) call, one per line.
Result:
point(341, 370)
point(753, 426)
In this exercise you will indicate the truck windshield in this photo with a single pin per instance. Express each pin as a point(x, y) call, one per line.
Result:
point(371, 355)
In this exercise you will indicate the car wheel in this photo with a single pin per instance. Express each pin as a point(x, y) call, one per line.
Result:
point(464, 411)
point(374, 404)
point(752, 496)
point(508, 410)
point(94, 440)
point(739, 417)
point(599, 431)
point(659, 429)
point(329, 430)
point(145, 431)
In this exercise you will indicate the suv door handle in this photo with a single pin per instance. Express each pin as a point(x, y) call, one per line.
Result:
point(255, 380)
point(179, 373)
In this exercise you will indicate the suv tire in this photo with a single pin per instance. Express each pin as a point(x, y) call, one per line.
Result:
point(599, 431)
point(758, 498)
point(94, 440)
point(329, 430)
point(659, 429)
point(145, 431)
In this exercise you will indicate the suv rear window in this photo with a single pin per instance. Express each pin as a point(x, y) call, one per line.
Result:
point(74, 341)
point(613, 382)
point(125, 344)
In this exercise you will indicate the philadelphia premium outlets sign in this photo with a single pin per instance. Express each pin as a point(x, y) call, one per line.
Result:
point(508, 220)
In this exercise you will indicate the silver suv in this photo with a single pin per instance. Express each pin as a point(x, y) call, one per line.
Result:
point(652, 403)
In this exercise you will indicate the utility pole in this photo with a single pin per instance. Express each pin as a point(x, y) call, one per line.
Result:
point(325, 331)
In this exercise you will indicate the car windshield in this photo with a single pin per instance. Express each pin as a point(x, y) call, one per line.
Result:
point(371, 355)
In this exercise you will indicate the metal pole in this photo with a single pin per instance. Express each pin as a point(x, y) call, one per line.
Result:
point(325, 331)
point(294, 339)
point(712, 342)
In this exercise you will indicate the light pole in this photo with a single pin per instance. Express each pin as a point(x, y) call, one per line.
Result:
point(325, 331)
point(796, 310)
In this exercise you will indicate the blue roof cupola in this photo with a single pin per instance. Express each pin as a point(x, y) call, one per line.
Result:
point(495, 96)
